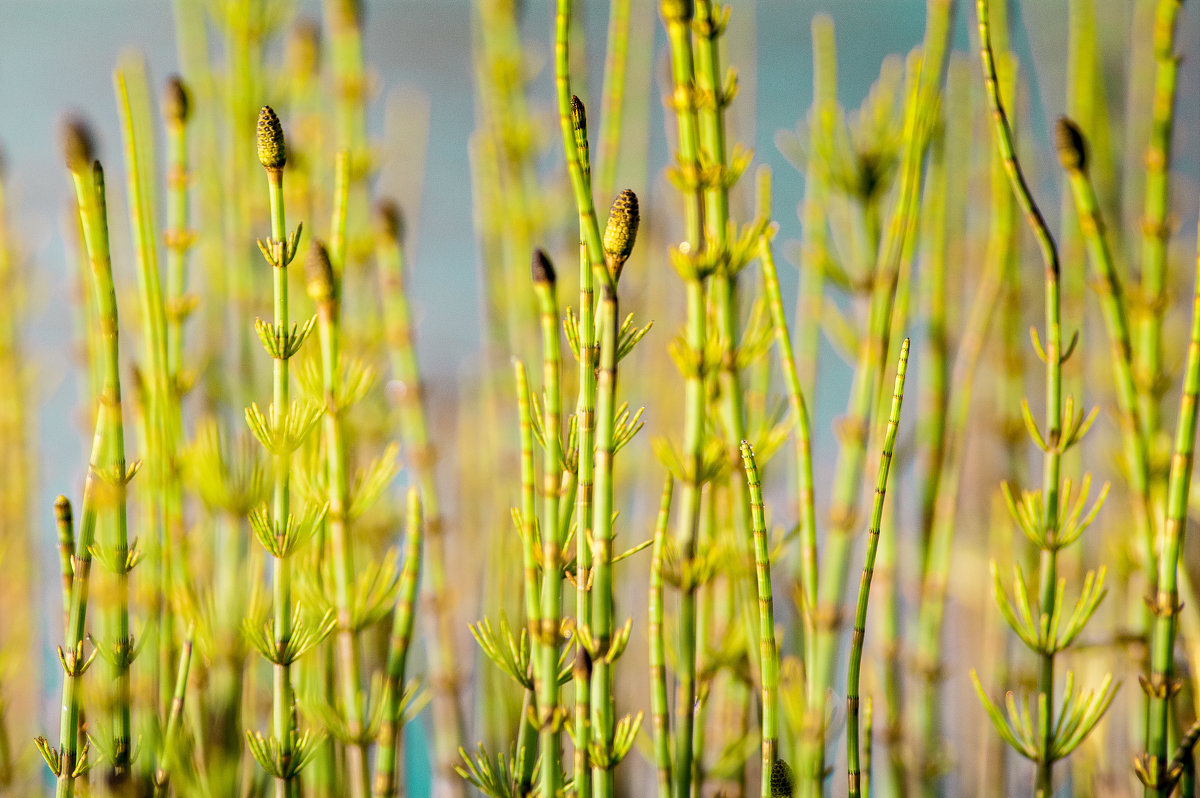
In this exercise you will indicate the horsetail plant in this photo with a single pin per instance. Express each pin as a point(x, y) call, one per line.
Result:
point(691, 469)
point(1156, 228)
point(864, 589)
point(611, 739)
point(323, 289)
point(1048, 517)
point(409, 396)
point(547, 634)
point(659, 706)
point(286, 636)
point(387, 752)
point(1152, 766)
point(108, 473)
point(768, 653)
point(1072, 154)
point(572, 117)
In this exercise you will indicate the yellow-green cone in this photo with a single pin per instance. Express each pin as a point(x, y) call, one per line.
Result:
point(621, 231)
point(272, 153)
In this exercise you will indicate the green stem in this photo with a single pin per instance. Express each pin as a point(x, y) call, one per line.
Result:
point(768, 654)
point(864, 589)
point(387, 753)
point(435, 595)
point(1155, 226)
point(546, 635)
point(167, 756)
point(1161, 685)
point(677, 18)
point(325, 288)
point(659, 709)
point(1053, 356)
point(602, 624)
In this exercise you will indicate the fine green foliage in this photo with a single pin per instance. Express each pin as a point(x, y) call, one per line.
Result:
point(314, 566)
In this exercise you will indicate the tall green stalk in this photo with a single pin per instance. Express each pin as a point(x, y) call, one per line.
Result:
point(864, 589)
point(1156, 228)
point(104, 487)
point(1072, 153)
point(324, 289)
point(1161, 686)
point(387, 752)
point(689, 260)
point(281, 432)
point(436, 598)
point(573, 127)
point(768, 654)
point(619, 236)
point(546, 635)
point(659, 707)
point(1047, 517)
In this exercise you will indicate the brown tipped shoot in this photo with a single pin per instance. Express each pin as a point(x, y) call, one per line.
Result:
point(272, 153)
point(543, 269)
point(578, 117)
point(176, 101)
point(1071, 145)
point(79, 148)
point(62, 510)
point(319, 272)
point(621, 232)
point(389, 220)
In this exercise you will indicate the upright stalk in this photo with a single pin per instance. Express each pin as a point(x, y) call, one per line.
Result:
point(387, 754)
point(324, 289)
point(659, 708)
point(546, 635)
point(573, 127)
point(281, 432)
point(864, 589)
point(695, 268)
point(436, 599)
point(105, 483)
point(1161, 687)
point(1156, 229)
point(768, 654)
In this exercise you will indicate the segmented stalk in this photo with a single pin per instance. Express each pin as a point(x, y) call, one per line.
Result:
point(546, 634)
point(272, 155)
point(768, 655)
point(167, 756)
point(1155, 226)
point(387, 753)
point(803, 434)
point(436, 599)
point(573, 126)
point(526, 751)
point(677, 18)
point(659, 709)
point(1073, 156)
point(325, 290)
point(602, 623)
point(1161, 686)
point(864, 589)
point(1053, 356)
point(105, 484)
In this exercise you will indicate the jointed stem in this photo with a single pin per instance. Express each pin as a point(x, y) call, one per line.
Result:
point(864, 590)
